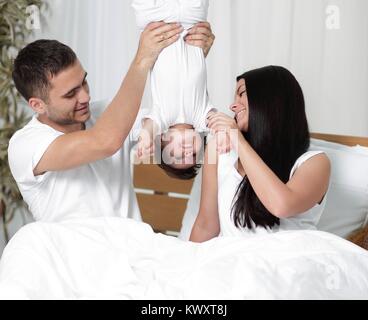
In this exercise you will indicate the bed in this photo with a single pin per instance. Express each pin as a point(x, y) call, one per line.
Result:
point(115, 258)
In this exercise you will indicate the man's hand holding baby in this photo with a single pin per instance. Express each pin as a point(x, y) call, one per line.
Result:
point(155, 37)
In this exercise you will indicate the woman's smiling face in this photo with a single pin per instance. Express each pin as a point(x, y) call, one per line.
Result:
point(240, 106)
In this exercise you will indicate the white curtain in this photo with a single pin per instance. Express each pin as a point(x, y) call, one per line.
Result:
point(101, 32)
point(331, 64)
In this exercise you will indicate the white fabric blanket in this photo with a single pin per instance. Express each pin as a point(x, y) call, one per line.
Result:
point(116, 258)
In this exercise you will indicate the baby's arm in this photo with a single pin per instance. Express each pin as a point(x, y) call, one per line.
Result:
point(146, 146)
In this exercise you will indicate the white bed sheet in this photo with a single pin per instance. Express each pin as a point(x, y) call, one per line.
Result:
point(115, 258)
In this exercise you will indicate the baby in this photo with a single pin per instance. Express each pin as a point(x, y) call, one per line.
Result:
point(180, 102)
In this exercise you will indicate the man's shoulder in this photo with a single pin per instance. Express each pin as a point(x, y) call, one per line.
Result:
point(33, 132)
point(31, 126)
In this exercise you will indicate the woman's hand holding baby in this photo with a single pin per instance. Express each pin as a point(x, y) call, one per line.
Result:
point(225, 130)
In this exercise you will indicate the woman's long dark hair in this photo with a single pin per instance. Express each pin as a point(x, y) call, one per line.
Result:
point(277, 131)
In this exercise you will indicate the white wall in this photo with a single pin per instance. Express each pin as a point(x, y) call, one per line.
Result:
point(103, 33)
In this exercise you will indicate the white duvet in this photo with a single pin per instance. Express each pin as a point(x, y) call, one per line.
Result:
point(115, 258)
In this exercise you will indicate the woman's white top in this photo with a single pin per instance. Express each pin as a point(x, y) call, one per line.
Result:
point(228, 182)
point(179, 76)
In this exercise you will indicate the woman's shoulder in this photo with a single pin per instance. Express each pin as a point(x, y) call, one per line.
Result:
point(312, 158)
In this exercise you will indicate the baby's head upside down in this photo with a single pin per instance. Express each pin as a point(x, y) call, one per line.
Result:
point(180, 151)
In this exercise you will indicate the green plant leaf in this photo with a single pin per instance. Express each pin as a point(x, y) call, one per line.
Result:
point(13, 34)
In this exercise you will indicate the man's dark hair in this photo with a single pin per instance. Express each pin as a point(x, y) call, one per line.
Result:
point(37, 63)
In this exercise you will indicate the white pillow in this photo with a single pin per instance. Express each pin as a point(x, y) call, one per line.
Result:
point(346, 208)
point(342, 147)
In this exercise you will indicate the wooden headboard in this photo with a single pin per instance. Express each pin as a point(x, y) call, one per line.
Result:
point(346, 140)
point(163, 200)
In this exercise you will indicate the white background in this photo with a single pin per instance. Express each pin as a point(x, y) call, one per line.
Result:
point(330, 64)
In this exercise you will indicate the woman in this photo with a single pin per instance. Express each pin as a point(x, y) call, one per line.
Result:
point(272, 182)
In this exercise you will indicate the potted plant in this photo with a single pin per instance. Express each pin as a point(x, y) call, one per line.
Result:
point(16, 21)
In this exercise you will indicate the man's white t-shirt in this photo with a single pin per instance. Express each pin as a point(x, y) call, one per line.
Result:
point(99, 189)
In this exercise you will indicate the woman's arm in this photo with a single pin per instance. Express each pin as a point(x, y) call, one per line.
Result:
point(304, 190)
point(207, 224)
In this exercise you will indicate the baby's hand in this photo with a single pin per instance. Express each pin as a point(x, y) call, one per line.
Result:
point(225, 130)
point(146, 147)
point(223, 142)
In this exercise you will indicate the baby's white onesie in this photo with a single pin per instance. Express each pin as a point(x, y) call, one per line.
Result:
point(179, 76)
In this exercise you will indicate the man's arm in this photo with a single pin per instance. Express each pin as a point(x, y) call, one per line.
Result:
point(201, 35)
point(107, 136)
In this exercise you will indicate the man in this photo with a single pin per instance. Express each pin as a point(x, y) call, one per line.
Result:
point(66, 162)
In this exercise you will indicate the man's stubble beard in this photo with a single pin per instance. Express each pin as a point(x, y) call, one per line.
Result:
point(67, 121)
